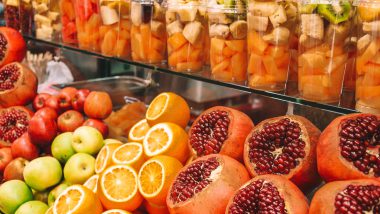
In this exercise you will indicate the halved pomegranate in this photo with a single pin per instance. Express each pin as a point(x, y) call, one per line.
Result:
point(220, 130)
point(14, 122)
point(268, 194)
point(349, 148)
point(344, 197)
point(206, 185)
point(12, 46)
point(18, 85)
point(285, 146)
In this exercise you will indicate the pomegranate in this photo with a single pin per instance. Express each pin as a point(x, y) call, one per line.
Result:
point(206, 185)
point(268, 194)
point(14, 122)
point(42, 130)
point(351, 196)
point(12, 46)
point(18, 85)
point(220, 130)
point(349, 148)
point(98, 105)
point(285, 146)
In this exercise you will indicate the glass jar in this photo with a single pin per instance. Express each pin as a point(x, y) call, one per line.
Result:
point(88, 22)
point(115, 29)
point(69, 28)
point(148, 32)
point(46, 19)
point(11, 14)
point(270, 25)
point(368, 57)
point(26, 17)
point(186, 30)
point(228, 40)
point(325, 25)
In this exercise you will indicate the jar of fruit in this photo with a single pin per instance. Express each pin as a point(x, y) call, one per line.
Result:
point(270, 24)
point(46, 19)
point(11, 14)
point(325, 25)
point(228, 35)
point(186, 30)
point(148, 33)
point(115, 29)
point(368, 57)
point(88, 22)
point(26, 16)
point(69, 29)
point(18, 14)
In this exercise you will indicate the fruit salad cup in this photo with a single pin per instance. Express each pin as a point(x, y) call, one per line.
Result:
point(368, 58)
point(322, 58)
point(69, 28)
point(228, 35)
point(115, 31)
point(46, 19)
point(186, 30)
point(270, 24)
point(148, 33)
point(88, 22)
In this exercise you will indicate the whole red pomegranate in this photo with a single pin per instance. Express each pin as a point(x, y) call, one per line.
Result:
point(18, 85)
point(39, 101)
point(42, 130)
point(98, 105)
point(349, 148)
point(14, 122)
point(52, 102)
point(47, 112)
point(23, 147)
point(268, 194)
point(351, 196)
point(206, 185)
point(284, 146)
point(12, 46)
point(220, 130)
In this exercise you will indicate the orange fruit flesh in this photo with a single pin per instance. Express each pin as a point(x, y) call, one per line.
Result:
point(157, 107)
point(71, 201)
point(127, 153)
point(139, 130)
point(157, 139)
point(151, 178)
point(116, 184)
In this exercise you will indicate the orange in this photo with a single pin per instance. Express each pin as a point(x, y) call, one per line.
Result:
point(104, 157)
point(167, 139)
point(168, 107)
point(156, 176)
point(92, 183)
point(156, 209)
point(116, 211)
point(49, 211)
point(112, 141)
point(118, 188)
point(138, 131)
point(131, 154)
point(77, 199)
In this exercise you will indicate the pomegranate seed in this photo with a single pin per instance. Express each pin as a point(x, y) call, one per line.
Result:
point(13, 123)
point(8, 76)
point(3, 46)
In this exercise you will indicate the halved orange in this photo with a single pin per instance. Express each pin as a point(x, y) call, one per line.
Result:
point(168, 107)
point(104, 157)
point(77, 199)
point(116, 211)
point(118, 188)
point(156, 176)
point(167, 139)
point(138, 131)
point(92, 183)
point(49, 211)
point(131, 154)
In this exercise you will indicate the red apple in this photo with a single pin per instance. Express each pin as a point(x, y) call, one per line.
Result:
point(78, 101)
point(15, 169)
point(42, 130)
point(5, 157)
point(47, 112)
point(39, 101)
point(53, 103)
point(69, 121)
point(24, 148)
point(99, 125)
point(98, 105)
point(65, 96)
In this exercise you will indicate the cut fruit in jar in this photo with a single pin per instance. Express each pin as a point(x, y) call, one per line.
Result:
point(131, 154)
point(155, 177)
point(167, 139)
point(92, 183)
point(369, 14)
point(104, 157)
point(138, 131)
point(168, 107)
point(77, 199)
point(118, 188)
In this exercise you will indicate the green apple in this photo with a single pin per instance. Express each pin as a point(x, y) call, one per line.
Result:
point(13, 194)
point(79, 168)
point(42, 173)
point(61, 147)
point(87, 140)
point(54, 193)
point(32, 207)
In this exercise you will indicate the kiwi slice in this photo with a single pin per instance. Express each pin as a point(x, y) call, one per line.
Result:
point(335, 13)
point(307, 9)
